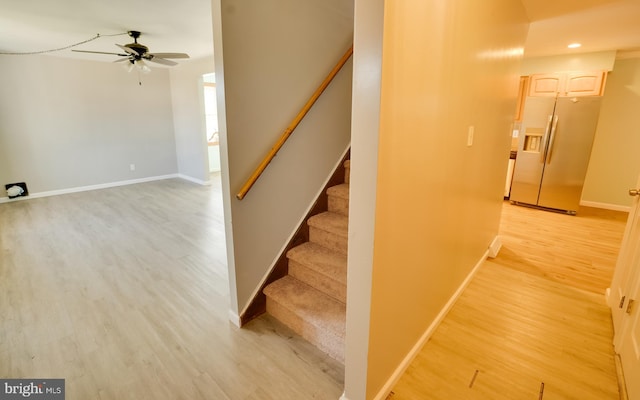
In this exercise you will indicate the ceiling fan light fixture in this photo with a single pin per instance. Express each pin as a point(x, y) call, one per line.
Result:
point(142, 66)
point(128, 66)
point(136, 54)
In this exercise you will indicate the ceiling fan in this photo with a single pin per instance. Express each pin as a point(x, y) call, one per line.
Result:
point(135, 54)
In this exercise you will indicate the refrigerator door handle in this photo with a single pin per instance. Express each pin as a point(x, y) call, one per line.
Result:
point(552, 138)
point(543, 153)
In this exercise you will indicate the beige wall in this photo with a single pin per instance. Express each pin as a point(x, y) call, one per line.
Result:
point(365, 127)
point(614, 165)
point(270, 56)
point(438, 200)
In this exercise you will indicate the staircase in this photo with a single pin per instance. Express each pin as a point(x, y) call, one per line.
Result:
point(311, 298)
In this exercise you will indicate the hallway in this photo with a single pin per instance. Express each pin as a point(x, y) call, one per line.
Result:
point(533, 323)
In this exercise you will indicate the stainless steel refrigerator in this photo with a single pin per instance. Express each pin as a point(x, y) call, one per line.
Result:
point(554, 148)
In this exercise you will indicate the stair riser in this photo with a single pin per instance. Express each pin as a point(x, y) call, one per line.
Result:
point(339, 205)
point(319, 281)
point(324, 339)
point(328, 239)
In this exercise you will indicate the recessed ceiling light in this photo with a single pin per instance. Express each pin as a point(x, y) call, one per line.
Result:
point(574, 45)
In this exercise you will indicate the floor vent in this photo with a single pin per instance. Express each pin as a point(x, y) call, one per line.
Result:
point(18, 189)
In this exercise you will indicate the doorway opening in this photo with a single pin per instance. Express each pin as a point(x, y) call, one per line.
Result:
point(211, 122)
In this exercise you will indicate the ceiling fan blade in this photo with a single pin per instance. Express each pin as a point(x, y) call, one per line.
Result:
point(128, 50)
point(170, 55)
point(159, 60)
point(122, 59)
point(100, 52)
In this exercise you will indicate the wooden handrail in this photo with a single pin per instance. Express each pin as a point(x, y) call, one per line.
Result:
point(292, 126)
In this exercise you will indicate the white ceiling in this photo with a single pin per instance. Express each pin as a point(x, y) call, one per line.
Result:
point(167, 26)
point(185, 25)
point(598, 24)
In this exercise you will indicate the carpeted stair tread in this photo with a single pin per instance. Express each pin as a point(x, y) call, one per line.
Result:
point(321, 268)
point(341, 191)
point(313, 306)
point(338, 199)
point(321, 259)
point(311, 298)
point(331, 222)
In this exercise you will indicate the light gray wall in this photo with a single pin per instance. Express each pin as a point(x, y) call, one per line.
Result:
point(614, 164)
point(188, 117)
point(69, 123)
point(274, 54)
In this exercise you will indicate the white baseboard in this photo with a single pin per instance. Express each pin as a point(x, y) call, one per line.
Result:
point(395, 377)
point(494, 247)
point(234, 318)
point(622, 382)
point(91, 187)
point(194, 180)
point(606, 206)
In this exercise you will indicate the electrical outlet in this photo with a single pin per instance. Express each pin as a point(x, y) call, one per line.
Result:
point(132, 167)
point(470, 133)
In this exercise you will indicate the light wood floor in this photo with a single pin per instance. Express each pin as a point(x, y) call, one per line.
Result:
point(579, 251)
point(124, 293)
point(533, 323)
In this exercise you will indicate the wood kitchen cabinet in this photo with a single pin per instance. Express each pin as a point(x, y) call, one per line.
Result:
point(568, 84)
point(522, 95)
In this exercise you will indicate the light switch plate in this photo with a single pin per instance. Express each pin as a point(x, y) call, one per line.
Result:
point(470, 136)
